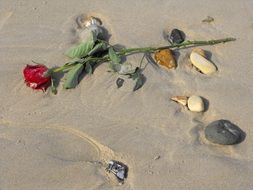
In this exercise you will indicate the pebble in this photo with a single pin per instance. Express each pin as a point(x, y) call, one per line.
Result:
point(224, 132)
point(165, 58)
point(208, 19)
point(195, 103)
point(176, 36)
point(119, 82)
point(157, 157)
point(201, 63)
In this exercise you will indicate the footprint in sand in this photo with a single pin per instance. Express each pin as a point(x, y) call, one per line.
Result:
point(54, 157)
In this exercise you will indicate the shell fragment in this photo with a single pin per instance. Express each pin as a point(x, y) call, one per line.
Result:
point(86, 21)
point(180, 99)
point(201, 63)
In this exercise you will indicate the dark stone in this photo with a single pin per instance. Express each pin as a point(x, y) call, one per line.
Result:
point(119, 82)
point(224, 132)
point(177, 36)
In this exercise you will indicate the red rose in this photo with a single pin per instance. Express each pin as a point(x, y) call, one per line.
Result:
point(34, 78)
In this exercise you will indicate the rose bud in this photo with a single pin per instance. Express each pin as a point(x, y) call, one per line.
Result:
point(34, 77)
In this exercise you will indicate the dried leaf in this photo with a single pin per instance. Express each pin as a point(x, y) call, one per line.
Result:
point(72, 76)
point(82, 49)
point(164, 58)
point(139, 77)
point(140, 81)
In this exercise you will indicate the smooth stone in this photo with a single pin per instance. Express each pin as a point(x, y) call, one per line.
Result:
point(200, 62)
point(176, 36)
point(195, 103)
point(165, 59)
point(224, 132)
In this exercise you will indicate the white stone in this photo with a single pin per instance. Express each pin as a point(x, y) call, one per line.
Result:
point(195, 104)
point(200, 62)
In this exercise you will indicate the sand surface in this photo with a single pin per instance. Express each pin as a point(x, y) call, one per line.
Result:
point(63, 141)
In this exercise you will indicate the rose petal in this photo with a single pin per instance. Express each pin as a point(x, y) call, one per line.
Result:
point(33, 75)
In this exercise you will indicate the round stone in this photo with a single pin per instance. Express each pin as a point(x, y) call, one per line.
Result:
point(176, 36)
point(224, 132)
point(195, 104)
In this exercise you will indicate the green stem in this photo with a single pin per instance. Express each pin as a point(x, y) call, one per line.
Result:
point(129, 51)
point(184, 44)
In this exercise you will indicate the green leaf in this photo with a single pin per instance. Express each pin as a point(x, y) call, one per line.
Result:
point(113, 56)
point(88, 68)
point(135, 74)
point(102, 46)
point(140, 81)
point(72, 76)
point(82, 49)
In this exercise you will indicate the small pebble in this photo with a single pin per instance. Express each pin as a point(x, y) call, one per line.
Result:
point(119, 82)
point(157, 157)
point(195, 104)
point(224, 132)
point(208, 19)
point(176, 36)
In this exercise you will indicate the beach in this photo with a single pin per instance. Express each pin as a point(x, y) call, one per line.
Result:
point(65, 141)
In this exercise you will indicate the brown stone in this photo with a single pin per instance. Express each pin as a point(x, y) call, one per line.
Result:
point(165, 58)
